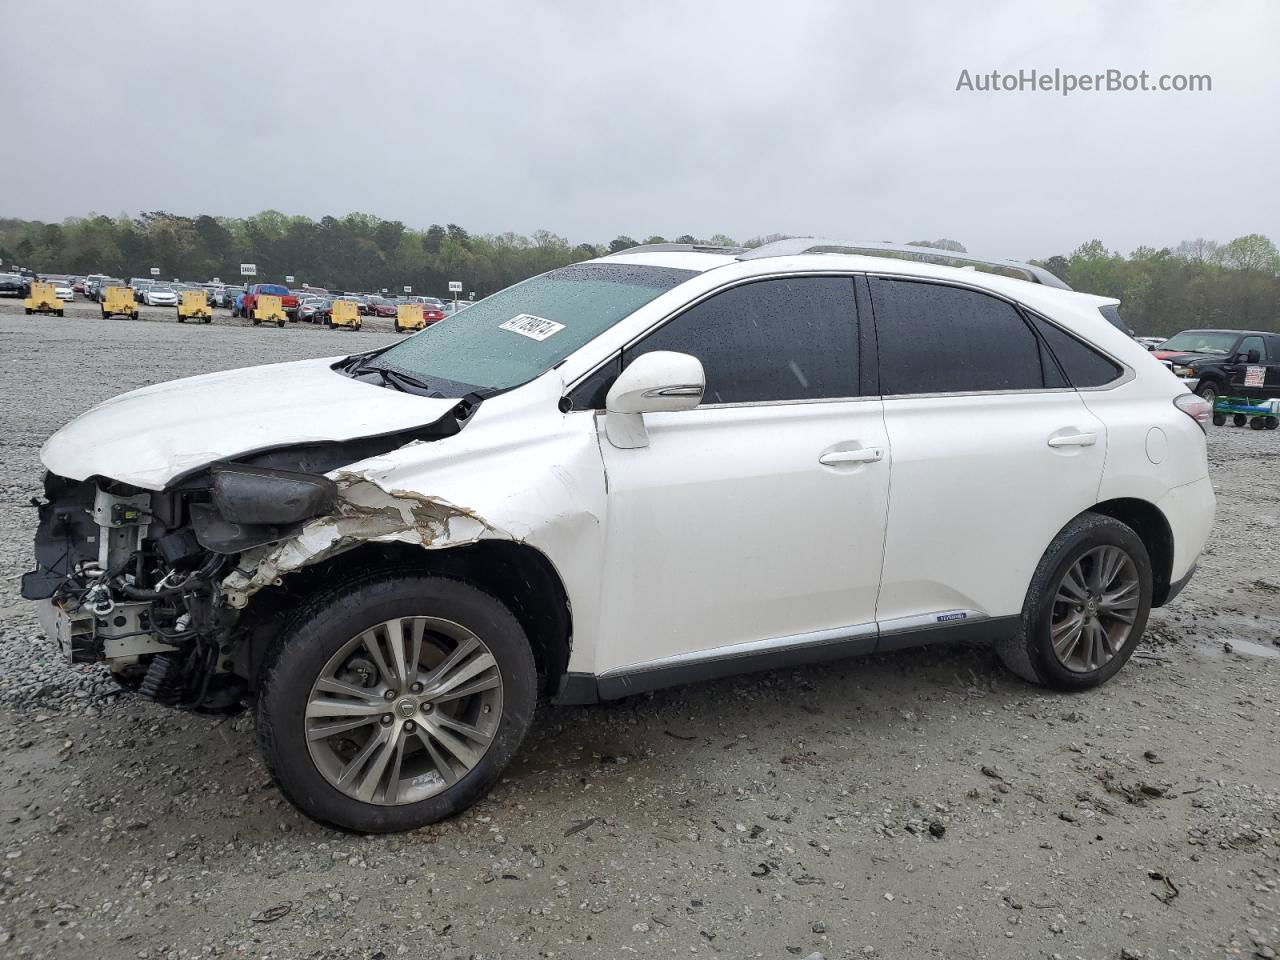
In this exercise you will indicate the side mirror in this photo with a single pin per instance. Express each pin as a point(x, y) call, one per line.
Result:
point(1252, 356)
point(653, 383)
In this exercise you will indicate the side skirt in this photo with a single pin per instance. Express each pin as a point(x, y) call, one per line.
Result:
point(781, 653)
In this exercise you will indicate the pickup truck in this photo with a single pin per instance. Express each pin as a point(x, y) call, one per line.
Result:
point(287, 300)
point(1225, 363)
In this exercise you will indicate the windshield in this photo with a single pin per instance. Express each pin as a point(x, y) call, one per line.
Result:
point(1200, 341)
point(523, 331)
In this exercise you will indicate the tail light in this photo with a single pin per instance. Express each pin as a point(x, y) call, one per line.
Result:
point(1197, 408)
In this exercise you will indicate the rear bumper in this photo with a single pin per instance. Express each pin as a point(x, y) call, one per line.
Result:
point(1175, 588)
point(1189, 510)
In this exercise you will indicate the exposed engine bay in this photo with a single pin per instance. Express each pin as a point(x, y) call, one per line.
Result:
point(134, 577)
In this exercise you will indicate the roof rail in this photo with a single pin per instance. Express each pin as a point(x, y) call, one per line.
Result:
point(680, 248)
point(795, 246)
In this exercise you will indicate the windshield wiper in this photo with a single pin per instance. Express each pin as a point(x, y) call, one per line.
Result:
point(403, 382)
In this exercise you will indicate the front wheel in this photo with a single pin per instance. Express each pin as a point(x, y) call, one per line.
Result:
point(1086, 607)
point(394, 701)
point(1209, 392)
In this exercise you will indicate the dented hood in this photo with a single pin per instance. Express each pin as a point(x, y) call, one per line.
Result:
point(151, 436)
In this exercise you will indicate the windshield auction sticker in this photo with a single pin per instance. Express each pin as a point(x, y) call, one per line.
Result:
point(535, 328)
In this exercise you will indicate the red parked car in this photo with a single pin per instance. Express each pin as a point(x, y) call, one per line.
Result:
point(432, 314)
point(288, 302)
point(381, 307)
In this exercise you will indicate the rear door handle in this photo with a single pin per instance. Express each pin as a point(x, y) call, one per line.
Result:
point(861, 455)
point(1074, 440)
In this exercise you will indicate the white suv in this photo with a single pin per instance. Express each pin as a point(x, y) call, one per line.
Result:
point(653, 468)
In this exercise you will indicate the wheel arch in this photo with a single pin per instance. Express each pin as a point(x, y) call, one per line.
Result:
point(1152, 528)
point(518, 575)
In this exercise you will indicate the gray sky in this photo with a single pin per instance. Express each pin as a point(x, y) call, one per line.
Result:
point(593, 119)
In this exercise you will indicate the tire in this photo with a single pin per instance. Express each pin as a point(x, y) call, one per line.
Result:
point(256, 321)
point(1219, 419)
point(61, 313)
point(208, 319)
point(104, 313)
point(1030, 652)
point(280, 323)
point(1271, 423)
point(1258, 423)
point(319, 637)
point(28, 310)
point(396, 325)
point(1209, 392)
point(1239, 419)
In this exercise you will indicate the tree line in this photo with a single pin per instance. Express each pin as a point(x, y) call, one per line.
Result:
point(1196, 283)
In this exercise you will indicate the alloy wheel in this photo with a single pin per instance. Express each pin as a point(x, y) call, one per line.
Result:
point(404, 710)
point(1094, 609)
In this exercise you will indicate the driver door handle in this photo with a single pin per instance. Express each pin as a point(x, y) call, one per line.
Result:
point(1074, 440)
point(861, 455)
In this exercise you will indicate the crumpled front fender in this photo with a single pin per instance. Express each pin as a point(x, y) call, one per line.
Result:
point(365, 513)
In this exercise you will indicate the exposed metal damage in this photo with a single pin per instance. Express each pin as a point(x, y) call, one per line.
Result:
point(365, 512)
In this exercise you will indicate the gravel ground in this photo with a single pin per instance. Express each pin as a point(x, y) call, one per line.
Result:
point(924, 804)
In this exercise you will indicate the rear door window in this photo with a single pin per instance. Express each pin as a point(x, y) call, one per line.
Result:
point(935, 338)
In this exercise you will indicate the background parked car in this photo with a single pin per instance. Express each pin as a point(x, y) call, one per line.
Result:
point(63, 291)
point(12, 285)
point(381, 307)
point(1215, 363)
point(159, 295)
point(288, 302)
point(314, 309)
point(100, 287)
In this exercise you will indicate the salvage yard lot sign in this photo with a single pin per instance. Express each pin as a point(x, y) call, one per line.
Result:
point(248, 269)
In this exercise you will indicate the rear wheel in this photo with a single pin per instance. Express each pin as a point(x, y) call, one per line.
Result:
point(1086, 608)
point(1239, 420)
point(279, 323)
point(395, 701)
point(1219, 419)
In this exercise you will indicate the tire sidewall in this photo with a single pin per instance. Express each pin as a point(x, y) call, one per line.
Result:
point(289, 672)
point(1099, 531)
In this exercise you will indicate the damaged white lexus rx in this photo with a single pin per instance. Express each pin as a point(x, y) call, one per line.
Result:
point(653, 468)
